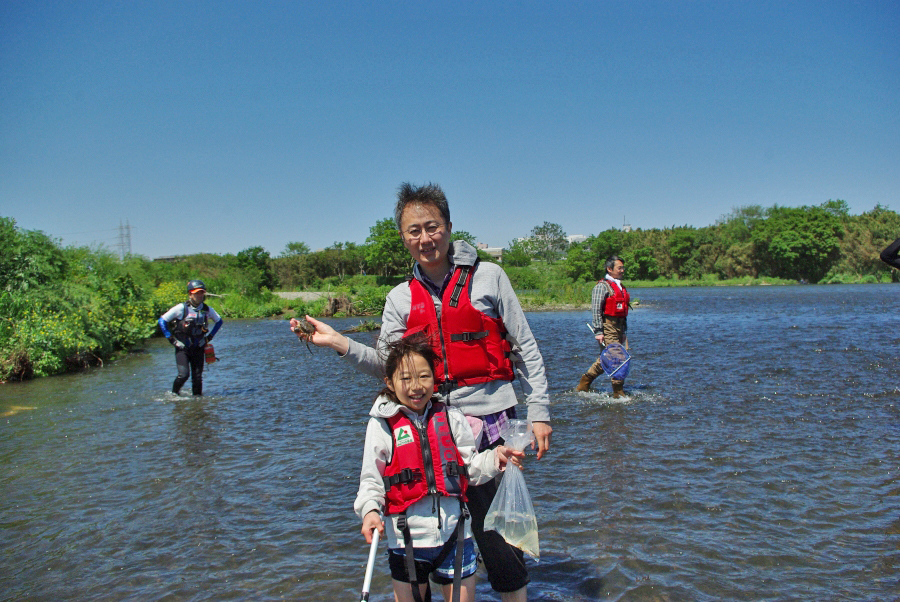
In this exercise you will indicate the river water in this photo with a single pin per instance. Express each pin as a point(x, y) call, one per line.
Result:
point(756, 459)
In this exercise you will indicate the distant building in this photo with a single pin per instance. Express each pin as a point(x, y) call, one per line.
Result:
point(495, 252)
point(576, 238)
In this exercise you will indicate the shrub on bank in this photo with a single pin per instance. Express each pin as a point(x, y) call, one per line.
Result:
point(69, 329)
point(369, 300)
point(235, 306)
point(166, 296)
point(857, 279)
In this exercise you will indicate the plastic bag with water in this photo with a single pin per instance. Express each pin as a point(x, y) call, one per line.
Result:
point(511, 513)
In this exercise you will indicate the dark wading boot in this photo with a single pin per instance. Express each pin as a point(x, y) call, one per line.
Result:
point(618, 388)
point(588, 377)
point(585, 383)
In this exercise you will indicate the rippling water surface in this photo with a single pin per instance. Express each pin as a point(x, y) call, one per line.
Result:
point(756, 459)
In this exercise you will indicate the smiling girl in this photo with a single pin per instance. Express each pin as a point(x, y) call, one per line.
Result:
point(419, 459)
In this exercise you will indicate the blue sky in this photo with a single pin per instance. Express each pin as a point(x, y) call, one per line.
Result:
point(217, 126)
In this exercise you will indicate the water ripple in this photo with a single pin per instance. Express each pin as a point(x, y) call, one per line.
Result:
point(757, 457)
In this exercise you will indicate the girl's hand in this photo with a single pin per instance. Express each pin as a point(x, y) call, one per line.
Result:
point(506, 454)
point(324, 336)
point(371, 521)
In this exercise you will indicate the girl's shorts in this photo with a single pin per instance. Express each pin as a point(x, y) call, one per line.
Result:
point(442, 575)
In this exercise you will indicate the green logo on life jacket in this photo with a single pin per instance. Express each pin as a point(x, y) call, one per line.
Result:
point(403, 435)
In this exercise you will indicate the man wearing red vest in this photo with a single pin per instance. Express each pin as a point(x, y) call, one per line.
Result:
point(480, 332)
point(609, 306)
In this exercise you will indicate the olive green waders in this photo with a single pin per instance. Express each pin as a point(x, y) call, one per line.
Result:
point(613, 332)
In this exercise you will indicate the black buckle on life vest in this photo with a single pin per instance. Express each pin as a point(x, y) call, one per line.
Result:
point(401, 521)
point(407, 475)
point(456, 470)
point(468, 336)
point(445, 387)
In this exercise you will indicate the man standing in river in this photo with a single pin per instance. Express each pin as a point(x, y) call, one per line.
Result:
point(480, 331)
point(609, 309)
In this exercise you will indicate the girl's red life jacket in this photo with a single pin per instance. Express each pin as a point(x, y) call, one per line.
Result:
point(472, 345)
point(616, 304)
point(424, 461)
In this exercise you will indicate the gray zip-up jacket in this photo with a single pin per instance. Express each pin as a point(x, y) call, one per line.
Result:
point(491, 293)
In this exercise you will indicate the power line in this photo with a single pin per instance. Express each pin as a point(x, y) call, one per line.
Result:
point(122, 238)
point(90, 231)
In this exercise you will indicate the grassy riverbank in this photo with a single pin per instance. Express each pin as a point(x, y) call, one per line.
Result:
point(69, 308)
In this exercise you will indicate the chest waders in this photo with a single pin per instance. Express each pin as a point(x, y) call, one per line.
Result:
point(615, 312)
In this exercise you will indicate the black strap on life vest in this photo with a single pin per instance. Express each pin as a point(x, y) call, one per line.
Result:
point(458, 538)
point(407, 475)
point(410, 558)
point(460, 546)
point(446, 387)
point(410, 475)
point(469, 336)
point(454, 469)
point(460, 283)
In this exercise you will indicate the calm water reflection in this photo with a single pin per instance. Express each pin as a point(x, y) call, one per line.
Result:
point(756, 459)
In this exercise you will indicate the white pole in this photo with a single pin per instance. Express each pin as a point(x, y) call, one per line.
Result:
point(369, 567)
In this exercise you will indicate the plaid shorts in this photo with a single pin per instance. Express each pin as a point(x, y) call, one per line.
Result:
point(424, 564)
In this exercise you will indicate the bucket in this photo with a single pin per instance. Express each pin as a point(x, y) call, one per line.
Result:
point(210, 354)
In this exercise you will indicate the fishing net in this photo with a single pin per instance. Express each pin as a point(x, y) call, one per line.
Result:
point(616, 361)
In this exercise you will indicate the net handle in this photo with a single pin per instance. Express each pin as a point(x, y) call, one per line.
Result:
point(622, 365)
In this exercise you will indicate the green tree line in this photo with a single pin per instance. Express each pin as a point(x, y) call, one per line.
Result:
point(65, 308)
point(815, 244)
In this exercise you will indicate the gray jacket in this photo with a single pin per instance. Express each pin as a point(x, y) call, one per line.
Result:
point(491, 293)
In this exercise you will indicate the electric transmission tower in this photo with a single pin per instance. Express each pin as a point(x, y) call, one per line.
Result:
point(124, 239)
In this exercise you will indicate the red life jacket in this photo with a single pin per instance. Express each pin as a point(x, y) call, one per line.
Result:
point(617, 303)
point(423, 462)
point(472, 344)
